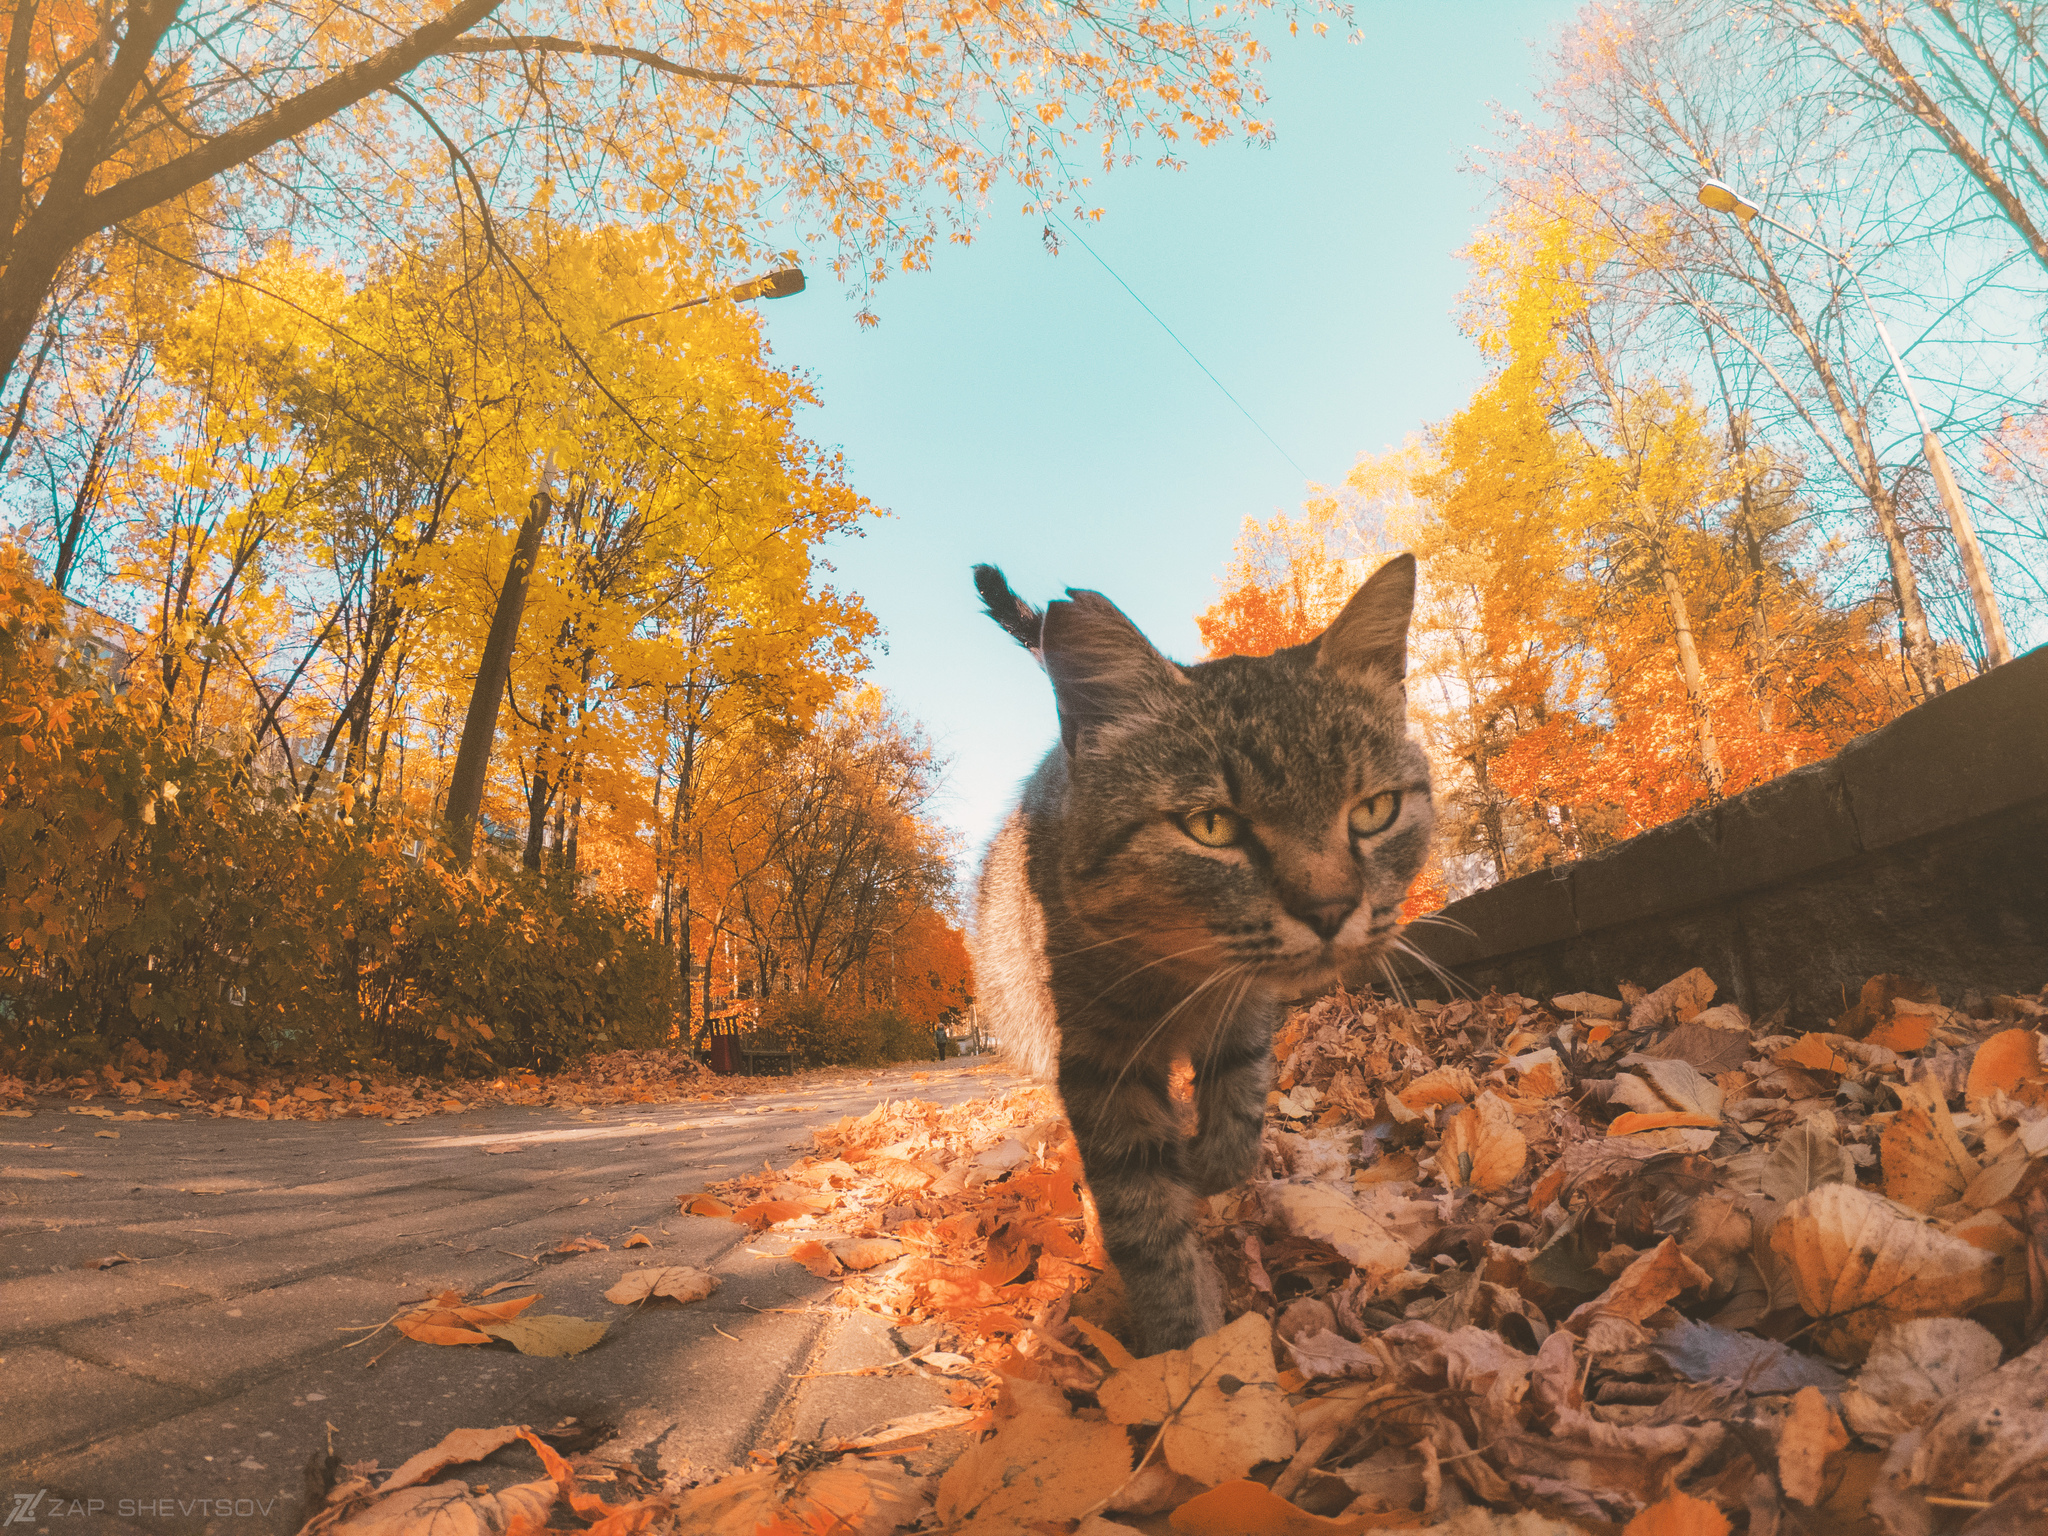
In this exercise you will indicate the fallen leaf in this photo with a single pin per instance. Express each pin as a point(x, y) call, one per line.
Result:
point(450, 1509)
point(1673, 1003)
point(815, 1257)
point(1805, 1158)
point(1925, 1162)
point(1916, 1365)
point(1041, 1464)
point(850, 1497)
point(2009, 1062)
point(458, 1446)
point(638, 1240)
point(108, 1135)
point(583, 1244)
point(1860, 1263)
point(763, 1214)
point(1589, 1005)
point(1816, 1054)
point(675, 1282)
point(1324, 1215)
point(1445, 1085)
point(1644, 1287)
point(1219, 1400)
point(1982, 1439)
point(1678, 1515)
point(1809, 1435)
point(863, 1253)
point(1246, 1508)
point(551, 1334)
point(1480, 1153)
point(705, 1205)
point(503, 1148)
point(1702, 1352)
point(1632, 1122)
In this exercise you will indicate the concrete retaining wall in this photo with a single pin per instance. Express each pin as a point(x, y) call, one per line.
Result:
point(1920, 848)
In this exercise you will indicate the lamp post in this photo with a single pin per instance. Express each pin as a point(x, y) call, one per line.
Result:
point(1722, 198)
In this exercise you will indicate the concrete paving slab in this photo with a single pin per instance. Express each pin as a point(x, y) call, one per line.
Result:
point(186, 1392)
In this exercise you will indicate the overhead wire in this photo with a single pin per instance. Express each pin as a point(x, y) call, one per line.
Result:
point(1140, 302)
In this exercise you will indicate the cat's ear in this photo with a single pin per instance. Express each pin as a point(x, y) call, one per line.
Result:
point(1103, 668)
point(1368, 641)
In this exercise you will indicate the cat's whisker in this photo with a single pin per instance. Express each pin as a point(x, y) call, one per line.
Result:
point(1394, 984)
point(1192, 949)
point(1456, 985)
point(1440, 921)
point(1166, 1018)
point(1225, 1014)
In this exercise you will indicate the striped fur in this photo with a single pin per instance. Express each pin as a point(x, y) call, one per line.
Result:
point(1109, 943)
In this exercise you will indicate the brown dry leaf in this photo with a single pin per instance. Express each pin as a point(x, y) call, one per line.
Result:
point(1816, 1054)
point(1673, 1003)
point(1903, 1033)
point(1809, 1436)
point(1925, 1162)
point(638, 1240)
point(1805, 1158)
point(583, 1244)
point(457, 1447)
point(1679, 1515)
point(447, 1320)
point(1632, 1122)
point(553, 1334)
point(2009, 1062)
point(1646, 1285)
point(704, 1205)
point(1912, 1369)
point(1322, 1214)
point(1041, 1464)
point(675, 1282)
point(1860, 1263)
point(815, 1257)
point(1219, 1399)
point(450, 1509)
point(1980, 1440)
point(1445, 1085)
point(1481, 1153)
point(851, 1497)
point(1590, 1005)
point(763, 1214)
point(864, 1253)
point(1246, 1508)
point(1106, 1344)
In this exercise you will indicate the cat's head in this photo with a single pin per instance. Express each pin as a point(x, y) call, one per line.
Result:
point(1264, 814)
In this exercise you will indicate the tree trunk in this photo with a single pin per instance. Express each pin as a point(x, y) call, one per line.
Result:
point(1695, 682)
point(493, 672)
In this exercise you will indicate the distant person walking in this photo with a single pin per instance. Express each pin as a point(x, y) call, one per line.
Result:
point(939, 1036)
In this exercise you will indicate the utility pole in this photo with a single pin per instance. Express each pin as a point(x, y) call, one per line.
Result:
point(493, 672)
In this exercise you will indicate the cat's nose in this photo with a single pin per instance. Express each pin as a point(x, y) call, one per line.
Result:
point(1326, 917)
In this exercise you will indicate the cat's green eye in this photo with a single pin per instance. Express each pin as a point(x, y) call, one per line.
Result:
point(1213, 827)
point(1376, 814)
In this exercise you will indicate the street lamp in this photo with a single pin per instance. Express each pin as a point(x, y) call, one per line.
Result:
point(1722, 198)
point(779, 284)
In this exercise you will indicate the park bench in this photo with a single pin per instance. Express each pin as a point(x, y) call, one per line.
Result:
point(762, 1053)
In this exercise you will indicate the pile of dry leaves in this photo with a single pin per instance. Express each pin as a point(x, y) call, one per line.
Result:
point(1634, 1264)
point(618, 1077)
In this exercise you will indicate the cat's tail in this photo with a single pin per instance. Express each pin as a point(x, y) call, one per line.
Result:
point(1022, 622)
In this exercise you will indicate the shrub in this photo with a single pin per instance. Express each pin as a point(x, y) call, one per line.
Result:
point(826, 1031)
point(150, 891)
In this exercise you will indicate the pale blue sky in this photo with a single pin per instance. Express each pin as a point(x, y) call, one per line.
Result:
point(1020, 408)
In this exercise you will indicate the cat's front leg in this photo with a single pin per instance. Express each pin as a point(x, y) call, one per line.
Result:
point(1135, 1158)
point(1230, 1100)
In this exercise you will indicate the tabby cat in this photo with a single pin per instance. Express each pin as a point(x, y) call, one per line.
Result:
point(1205, 844)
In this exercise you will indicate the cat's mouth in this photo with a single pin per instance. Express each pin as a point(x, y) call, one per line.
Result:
point(1342, 957)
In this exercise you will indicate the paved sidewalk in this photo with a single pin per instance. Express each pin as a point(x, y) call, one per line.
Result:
point(187, 1390)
